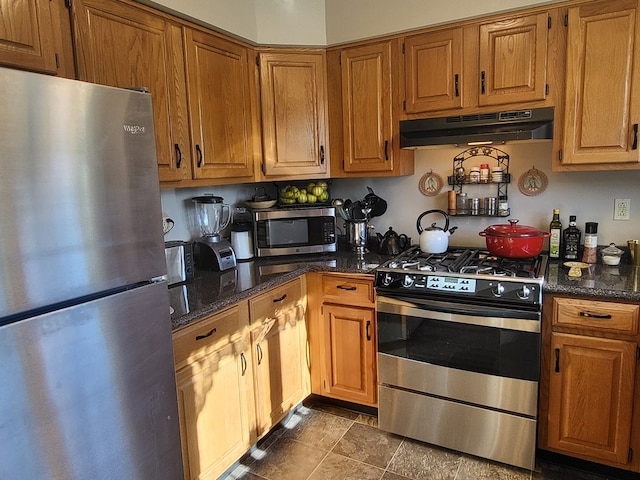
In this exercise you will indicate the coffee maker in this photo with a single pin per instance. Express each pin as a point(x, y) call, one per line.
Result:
point(212, 252)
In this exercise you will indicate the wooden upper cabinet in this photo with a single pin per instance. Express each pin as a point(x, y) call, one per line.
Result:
point(513, 60)
point(27, 36)
point(366, 108)
point(294, 112)
point(433, 70)
point(123, 46)
point(219, 105)
point(602, 103)
point(591, 397)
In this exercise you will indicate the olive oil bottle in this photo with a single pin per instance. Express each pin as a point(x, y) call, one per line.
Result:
point(571, 240)
point(555, 227)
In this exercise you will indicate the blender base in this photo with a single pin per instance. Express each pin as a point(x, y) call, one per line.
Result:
point(217, 256)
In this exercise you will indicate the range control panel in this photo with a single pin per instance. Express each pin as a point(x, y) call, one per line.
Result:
point(450, 284)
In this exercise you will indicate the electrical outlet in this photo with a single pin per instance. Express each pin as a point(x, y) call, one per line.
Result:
point(622, 209)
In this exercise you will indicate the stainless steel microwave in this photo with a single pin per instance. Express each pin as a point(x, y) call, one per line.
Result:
point(294, 231)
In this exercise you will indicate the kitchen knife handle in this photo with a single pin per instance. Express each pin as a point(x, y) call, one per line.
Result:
point(200, 156)
point(322, 154)
point(483, 76)
point(604, 316)
point(456, 84)
point(635, 137)
point(346, 287)
point(386, 149)
point(557, 352)
point(278, 300)
point(259, 349)
point(243, 359)
point(368, 329)
point(178, 155)
point(206, 335)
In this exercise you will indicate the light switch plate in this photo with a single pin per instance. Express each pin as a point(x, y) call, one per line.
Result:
point(622, 209)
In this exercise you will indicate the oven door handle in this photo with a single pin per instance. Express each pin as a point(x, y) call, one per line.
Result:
point(461, 313)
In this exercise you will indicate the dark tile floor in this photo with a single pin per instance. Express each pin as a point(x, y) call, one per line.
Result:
point(325, 442)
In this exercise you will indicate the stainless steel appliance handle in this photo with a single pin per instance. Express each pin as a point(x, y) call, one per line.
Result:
point(525, 321)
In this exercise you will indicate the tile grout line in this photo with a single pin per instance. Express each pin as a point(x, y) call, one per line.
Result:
point(334, 445)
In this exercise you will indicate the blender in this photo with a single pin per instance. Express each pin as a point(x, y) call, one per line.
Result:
point(212, 252)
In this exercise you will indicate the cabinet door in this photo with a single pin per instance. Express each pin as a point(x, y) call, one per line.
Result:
point(280, 367)
point(26, 35)
point(220, 106)
point(366, 106)
point(347, 355)
point(123, 46)
point(293, 98)
point(602, 108)
point(513, 60)
point(433, 71)
point(591, 396)
point(215, 392)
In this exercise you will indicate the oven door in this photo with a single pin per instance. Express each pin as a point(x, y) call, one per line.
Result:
point(481, 355)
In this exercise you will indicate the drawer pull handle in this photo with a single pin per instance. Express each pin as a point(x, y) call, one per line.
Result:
point(259, 348)
point(368, 329)
point(604, 316)
point(557, 369)
point(244, 363)
point(208, 334)
point(347, 287)
point(278, 300)
point(483, 80)
point(456, 84)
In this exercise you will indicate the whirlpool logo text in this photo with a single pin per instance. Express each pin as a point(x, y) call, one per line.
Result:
point(134, 129)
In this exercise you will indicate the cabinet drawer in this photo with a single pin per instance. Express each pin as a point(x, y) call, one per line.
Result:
point(276, 300)
point(595, 315)
point(210, 333)
point(348, 290)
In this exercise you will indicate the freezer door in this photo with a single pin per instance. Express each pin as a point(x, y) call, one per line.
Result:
point(89, 392)
point(79, 191)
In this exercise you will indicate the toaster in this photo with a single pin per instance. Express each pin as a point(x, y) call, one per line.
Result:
point(179, 257)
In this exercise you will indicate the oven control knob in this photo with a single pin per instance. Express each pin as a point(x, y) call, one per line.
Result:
point(498, 290)
point(408, 281)
point(387, 279)
point(524, 292)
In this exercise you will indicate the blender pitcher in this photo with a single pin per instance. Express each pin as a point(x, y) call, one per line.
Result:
point(212, 252)
point(212, 216)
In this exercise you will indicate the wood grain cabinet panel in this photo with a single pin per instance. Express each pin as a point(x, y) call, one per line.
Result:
point(602, 103)
point(294, 112)
point(26, 35)
point(366, 107)
point(513, 60)
point(591, 396)
point(219, 106)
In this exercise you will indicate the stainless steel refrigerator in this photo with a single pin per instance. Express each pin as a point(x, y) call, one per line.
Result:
point(87, 383)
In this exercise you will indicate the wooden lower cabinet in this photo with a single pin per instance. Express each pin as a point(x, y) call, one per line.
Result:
point(279, 352)
point(342, 337)
point(215, 392)
point(589, 381)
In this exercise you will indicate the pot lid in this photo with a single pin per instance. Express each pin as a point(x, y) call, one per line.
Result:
point(207, 199)
point(513, 230)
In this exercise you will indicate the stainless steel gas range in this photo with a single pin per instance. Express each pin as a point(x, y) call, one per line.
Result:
point(459, 351)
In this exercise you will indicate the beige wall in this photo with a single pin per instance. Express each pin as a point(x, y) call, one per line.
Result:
point(349, 20)
point(329, 22)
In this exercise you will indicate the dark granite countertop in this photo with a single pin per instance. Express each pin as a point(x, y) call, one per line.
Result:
point(621, 282)
point(210, 291)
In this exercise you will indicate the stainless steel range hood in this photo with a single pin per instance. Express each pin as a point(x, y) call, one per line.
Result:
point(479, 128)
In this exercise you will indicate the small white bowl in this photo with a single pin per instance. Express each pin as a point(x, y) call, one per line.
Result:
point(611, 259)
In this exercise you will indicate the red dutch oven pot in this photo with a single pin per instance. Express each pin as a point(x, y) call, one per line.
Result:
point(513, 240)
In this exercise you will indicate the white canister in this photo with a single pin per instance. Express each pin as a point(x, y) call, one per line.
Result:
point(497, 174)
point(242, 241)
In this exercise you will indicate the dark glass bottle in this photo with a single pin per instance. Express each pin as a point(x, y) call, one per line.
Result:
point(571, 240)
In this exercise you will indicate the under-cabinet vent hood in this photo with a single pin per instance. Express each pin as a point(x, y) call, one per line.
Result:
point(479, 128)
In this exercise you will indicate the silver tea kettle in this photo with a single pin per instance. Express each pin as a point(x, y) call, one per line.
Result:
point(434, 239)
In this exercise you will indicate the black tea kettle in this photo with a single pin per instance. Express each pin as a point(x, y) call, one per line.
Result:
point(392, 243)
